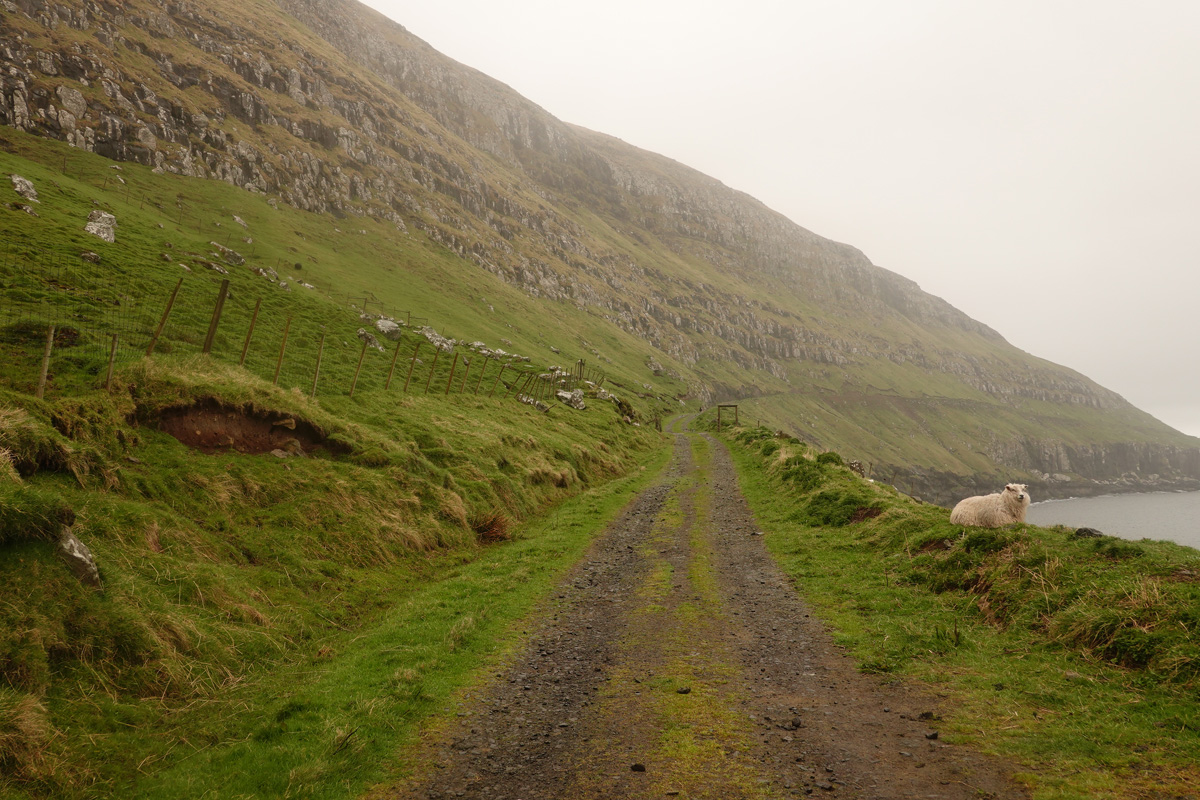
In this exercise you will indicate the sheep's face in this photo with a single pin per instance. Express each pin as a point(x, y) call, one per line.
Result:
point(1019, 491)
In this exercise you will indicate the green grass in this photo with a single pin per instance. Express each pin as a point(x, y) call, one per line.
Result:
point(165, 221)
point(233, 579)
point(263, 616)
point(1078, 658)
point(330, 723)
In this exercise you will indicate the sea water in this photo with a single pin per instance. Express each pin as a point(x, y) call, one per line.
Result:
point(1174, 516)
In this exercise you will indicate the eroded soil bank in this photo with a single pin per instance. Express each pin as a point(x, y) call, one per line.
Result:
point(212, 427)
point(678, 661)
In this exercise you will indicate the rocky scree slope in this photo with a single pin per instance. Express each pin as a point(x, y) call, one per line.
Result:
point(332, 108)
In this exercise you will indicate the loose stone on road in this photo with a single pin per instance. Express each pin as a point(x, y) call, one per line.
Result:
point(678, 661)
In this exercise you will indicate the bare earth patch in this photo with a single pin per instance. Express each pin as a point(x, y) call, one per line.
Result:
point(212, 427)
point(678, 661)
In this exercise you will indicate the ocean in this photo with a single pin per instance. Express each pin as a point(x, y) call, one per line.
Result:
point(1174, 516)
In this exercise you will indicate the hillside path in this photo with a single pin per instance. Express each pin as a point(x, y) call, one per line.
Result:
point(679, 661)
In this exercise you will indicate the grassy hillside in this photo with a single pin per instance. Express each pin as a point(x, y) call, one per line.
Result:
point(439, 194)
point(166, 227)
point(250, 575)
point(242, 588)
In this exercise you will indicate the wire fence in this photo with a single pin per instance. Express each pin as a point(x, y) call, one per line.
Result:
point(63, 320)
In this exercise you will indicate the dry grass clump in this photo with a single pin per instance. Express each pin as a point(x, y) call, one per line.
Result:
point(8, 467)
point(24, 734)
point(451, 507)
point(491, 527)
point(541, 476)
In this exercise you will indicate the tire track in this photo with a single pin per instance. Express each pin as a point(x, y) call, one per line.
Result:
point(678, 661)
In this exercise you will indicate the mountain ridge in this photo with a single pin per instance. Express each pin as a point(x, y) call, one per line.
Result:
point(334, 109)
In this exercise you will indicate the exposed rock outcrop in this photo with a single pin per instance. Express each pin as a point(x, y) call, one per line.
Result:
point(79, 558)
point(365, 119)
point(25, 188)
point(103, 225)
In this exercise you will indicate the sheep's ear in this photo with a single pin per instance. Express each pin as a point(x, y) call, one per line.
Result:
point(1012, 487)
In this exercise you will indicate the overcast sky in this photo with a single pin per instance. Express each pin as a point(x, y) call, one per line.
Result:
point(1036, 163)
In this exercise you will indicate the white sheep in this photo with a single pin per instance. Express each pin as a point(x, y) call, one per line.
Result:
point(993, 510)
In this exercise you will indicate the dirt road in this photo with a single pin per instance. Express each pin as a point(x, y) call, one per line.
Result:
point(680, 662)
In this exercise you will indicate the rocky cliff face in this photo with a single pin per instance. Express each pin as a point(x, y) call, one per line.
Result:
point(331, 108)
point(1055, 471)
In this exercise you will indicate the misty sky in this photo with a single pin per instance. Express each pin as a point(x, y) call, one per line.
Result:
point(1035, 163)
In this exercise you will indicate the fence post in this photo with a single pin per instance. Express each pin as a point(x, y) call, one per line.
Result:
point(481, 374)
point(112, 357)
point(249, 333)
point(412, 366)
point(358, 369)
point(452, 366)
point(279, 363)
point(437, 351)
point(317, 371)
point(521, 390)
point(466, 372)
point(395, 355)
point(216, 317)
point(512, 389)
point(524, 388)
point(503, 367)
point(166, 313)
point(41, 388)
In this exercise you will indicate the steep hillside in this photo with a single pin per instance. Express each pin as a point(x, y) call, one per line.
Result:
point(326, 106)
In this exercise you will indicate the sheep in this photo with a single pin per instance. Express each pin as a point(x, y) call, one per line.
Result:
point(993, 510)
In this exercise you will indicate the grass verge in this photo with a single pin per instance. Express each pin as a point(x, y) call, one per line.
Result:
point(333, 724)
point(1076, 657)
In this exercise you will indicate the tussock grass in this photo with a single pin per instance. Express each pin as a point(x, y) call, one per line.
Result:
point(31, 440)
point(31, 514)
point(232, 580)
point(25, 731)
point(491, 527)
point(230, 577)
point(1077, 656)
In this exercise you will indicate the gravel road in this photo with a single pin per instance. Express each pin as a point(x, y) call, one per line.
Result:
point(679, 661)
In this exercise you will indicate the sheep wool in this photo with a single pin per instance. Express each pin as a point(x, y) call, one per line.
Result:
point(993, 510)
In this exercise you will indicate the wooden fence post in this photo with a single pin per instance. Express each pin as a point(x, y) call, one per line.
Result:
point(283, 346)
point(317, 371)
point(112, 357)
point(412, 366)
point(512, 389)
point(503, 367)
point(249, 333)
point(521, 390)
point(395, 355)
point(466, 372)
point(437, 351)
point(41, 387)
point(452, 366)
point(358, 369)
point(216, 317)
point(481, 373)
point(166, 313)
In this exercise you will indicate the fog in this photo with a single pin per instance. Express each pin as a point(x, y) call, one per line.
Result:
point(1036, 164)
